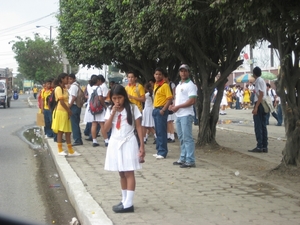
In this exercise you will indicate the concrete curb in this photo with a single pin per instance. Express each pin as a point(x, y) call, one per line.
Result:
point(29, 102)
point(88, 210)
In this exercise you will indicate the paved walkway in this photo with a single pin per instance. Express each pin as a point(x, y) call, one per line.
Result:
point(169, 195)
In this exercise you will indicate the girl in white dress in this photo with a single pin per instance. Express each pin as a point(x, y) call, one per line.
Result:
point(147, 119)
point(98, 118)
point(123, 153)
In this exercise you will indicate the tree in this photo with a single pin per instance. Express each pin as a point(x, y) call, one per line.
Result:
point(94, 33)
point(278, 22)
point(38, 59)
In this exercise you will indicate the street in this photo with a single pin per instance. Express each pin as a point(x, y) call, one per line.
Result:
point(27, 172)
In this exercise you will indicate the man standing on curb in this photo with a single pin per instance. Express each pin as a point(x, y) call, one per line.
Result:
point(259, 115)
point(185, 98)
point(76, 111)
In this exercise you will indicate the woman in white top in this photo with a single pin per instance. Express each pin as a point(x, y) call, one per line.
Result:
point(97, 118)
point(123, 153)
point(147, 119)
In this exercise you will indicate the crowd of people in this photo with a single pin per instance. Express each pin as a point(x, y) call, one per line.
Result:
point(125, 117)
point(241, 98)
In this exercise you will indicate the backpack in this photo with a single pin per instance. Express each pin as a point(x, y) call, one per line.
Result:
point(80, 99)
point(51, 100)
point(95, 105)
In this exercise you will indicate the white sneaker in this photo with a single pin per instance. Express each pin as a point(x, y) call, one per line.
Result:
point(160, 157)
point(155, 155)
point(74, 154)
point(62, 153)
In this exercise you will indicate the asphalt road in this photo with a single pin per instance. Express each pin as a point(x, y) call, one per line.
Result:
point(27, 171)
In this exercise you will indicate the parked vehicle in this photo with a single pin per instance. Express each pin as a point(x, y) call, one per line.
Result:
point(5, 91)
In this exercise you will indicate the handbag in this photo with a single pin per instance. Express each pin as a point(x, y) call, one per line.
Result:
point(264, 104)
point(40, 121)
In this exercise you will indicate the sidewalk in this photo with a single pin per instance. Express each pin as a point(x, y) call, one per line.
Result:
point(169, 195)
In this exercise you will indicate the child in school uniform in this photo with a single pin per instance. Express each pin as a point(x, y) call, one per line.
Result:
point(123, 153)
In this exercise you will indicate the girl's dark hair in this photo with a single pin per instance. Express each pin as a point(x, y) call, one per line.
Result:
point(92, 77)
point(118, 89)
point(149, 88)
point(94, 80)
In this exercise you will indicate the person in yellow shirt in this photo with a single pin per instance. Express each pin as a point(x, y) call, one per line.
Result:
point(35, 91)
point(135, 91)
point(46, 92)
point(161, 102)
point(61, 116)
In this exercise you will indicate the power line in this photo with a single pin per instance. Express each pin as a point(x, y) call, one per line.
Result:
point(3, 31)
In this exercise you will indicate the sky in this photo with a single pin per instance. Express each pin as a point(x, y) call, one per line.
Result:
point(20, 18)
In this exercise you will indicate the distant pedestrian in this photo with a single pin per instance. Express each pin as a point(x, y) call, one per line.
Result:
point(185, 98)
point(162, 99)
point(279, 111)
point(76, 110)
point(35, 92)
point(259, 115)
point(246, 99)
point(171, 116)
point(123, 153)
point(61, 116)
point(272, 94)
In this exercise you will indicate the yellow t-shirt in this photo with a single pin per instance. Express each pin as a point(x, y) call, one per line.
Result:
point(162, 95)
point(61, 95)
point(45, 94)
point(35, 90)
point(136, 90)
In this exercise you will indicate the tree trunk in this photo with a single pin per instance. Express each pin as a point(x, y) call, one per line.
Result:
point(208, 118)
point(288, 87)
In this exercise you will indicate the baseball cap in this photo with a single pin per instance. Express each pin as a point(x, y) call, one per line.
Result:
point(184, 66)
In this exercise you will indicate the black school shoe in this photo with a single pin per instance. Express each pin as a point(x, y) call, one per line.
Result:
point(265, 150)
point(116, 206)
point(120, 209)
point(256, 150)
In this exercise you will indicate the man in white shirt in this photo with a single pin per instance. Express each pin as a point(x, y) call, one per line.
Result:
point(185, 98)
point(259, 115)
point(76, 111)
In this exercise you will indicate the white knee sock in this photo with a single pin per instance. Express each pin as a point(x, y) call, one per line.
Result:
point(124, 192)
point(168, 135)
point(129, 199)
point(172, 136)
point(95, 140)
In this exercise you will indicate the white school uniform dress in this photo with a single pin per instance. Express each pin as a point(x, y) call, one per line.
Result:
point(224, 99)
point(122, 153)
point(147, 119)
point(88, 117)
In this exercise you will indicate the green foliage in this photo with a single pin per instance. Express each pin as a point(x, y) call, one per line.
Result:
point(38, 59)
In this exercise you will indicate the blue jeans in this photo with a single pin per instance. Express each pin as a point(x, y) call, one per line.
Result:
point(75, 120)
point(196, 121)
point(48, 121)
point(260, 127)
point(274, 114)
point(185, 136)
point(237, 103)
point(160, 122)
point(279, 114)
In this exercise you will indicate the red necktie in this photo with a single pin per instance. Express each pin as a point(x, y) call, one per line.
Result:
point(118, 125)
